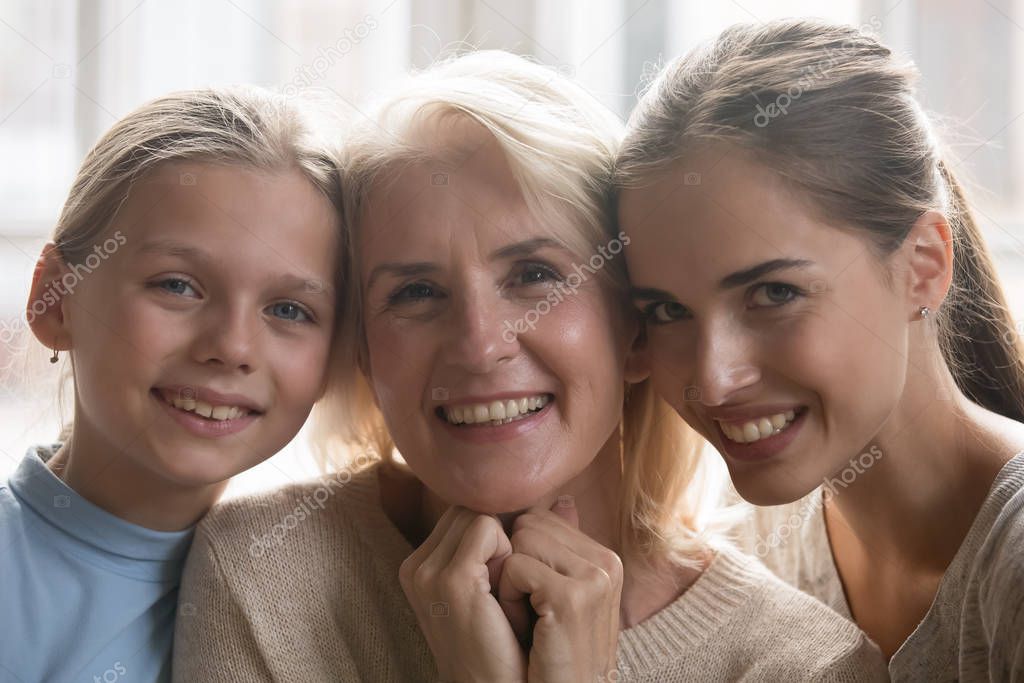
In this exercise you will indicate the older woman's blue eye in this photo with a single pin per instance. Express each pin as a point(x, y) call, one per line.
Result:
point(412, 292)
point(538, 274)
point(287, 310)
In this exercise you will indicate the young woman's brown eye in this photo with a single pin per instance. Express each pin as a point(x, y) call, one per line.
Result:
point(773, 294)
point(661, 312)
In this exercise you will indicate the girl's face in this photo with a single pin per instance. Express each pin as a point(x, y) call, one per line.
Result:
point(213, 295)
point(494, 395)
point(772, 333)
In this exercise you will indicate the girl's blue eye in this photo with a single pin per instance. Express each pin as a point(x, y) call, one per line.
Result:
point(661, 312)
point(177, 285)
point(287, 310)
point(773, 294)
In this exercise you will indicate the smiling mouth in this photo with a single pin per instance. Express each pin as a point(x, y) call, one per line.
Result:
point(751, 431)
point(208, 411)
point(494, 413)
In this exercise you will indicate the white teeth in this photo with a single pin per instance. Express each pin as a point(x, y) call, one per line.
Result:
point(499, 412)
point(209, 411)
point(755, 430)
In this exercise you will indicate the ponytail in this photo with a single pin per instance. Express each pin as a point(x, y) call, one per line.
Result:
point(976, 333)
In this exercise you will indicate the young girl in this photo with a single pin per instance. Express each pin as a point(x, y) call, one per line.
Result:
point(490, 343)
point(191, 280)
point(822, 308)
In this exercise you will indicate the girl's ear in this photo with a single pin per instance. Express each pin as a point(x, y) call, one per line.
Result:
point(638, 361)
point(929, 258)
point(45, 308)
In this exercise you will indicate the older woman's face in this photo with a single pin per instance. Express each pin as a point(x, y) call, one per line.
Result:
point(498, 381)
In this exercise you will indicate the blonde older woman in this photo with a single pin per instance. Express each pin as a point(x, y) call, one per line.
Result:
point(540, 525)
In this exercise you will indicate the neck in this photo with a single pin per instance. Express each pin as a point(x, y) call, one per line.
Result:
point(938, 459)
point(108, 478)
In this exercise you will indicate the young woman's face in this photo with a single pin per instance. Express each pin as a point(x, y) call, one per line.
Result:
point(217, 298)
point(494, 398)
point(773, 334)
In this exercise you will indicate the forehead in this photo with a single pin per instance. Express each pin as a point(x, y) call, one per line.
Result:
point(243, 213)
point(721, 211)
point(473, 195)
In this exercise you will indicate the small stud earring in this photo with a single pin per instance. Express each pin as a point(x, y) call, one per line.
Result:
point(924, 311)
point(53, 358)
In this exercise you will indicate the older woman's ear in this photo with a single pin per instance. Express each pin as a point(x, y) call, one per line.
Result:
point(638, 358)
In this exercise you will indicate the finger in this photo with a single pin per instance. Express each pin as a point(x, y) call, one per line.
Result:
point(439, 531)
point(527, 576)
point(448, 541)
point(484, 541)
point(565, 508)
point(572, 538)
point(539, 544)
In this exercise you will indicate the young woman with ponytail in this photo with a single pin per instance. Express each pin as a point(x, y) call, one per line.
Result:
point(821, 306)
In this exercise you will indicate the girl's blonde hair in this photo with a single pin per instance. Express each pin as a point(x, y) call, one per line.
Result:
point(560, 144)
point(247, 126)
point(833, 112)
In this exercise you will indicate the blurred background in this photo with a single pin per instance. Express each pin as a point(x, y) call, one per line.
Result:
point(70, 68)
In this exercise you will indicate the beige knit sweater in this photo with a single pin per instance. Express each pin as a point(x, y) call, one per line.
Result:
point(301, 584)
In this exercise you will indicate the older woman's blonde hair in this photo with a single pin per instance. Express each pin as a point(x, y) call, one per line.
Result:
point(560, 144)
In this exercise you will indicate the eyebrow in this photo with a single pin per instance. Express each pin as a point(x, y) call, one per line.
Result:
point(748, 275)
point(737, 279)
point(289, 281)
point(172, 248)
point(517, 250)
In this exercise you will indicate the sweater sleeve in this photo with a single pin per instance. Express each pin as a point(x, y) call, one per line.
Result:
point(213, 639)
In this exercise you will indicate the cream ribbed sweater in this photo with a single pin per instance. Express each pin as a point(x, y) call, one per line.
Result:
point(301, 584)
point(974, 629)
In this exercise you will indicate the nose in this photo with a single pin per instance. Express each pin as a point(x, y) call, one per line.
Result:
point(481, 337)
point(228, 339)
point(726, 365)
